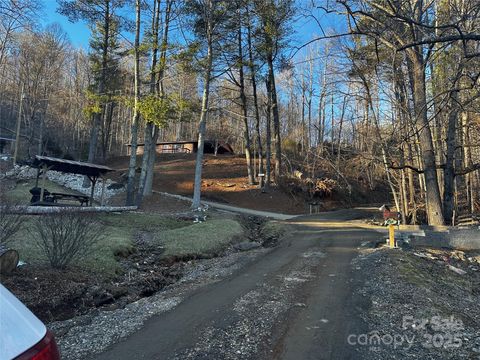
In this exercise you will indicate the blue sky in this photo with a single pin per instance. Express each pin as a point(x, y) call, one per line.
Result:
point(79, 33)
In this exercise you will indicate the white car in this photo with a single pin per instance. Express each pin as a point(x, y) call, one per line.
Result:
point(22, 335)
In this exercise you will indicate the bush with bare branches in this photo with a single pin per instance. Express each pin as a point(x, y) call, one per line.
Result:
point(65, 237)
point(11, 220)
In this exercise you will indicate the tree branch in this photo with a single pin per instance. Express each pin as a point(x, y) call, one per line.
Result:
point(443, 39)
point(417, 170)
point(467, 170)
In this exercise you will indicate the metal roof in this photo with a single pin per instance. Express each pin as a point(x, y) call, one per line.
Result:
point(70, 166)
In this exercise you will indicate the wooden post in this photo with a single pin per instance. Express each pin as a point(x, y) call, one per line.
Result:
point(102, 198)
point(261, 182)
point(314, 207)
point(93, 180)
point(44, 178)
point(38, 175)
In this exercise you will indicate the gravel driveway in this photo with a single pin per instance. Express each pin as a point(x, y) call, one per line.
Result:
point(322, 293)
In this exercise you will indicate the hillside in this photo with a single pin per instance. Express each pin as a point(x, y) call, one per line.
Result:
point(225, 181)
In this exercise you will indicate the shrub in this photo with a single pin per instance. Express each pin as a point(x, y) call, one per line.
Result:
point(324, 187)
point(10, 220)
point(65, 237)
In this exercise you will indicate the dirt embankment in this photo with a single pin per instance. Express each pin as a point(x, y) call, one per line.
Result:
point(225, 181)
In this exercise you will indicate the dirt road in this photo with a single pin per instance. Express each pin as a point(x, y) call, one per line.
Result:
point(296, 302)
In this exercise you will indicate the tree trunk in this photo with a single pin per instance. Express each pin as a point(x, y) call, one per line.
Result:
point(304, 132)
point(255, 101)
point(149, 147)
point(385, 158)
point(268, 135)
point(276, 118)
point(136, 114)
point(309, 105)
point(156, 86)
point(147, 153)
point(333, 125)
point(400, 110)
point(151, 163)
point(197, 186)
point(433, 198)
point(449, 171)
point(340, 128)
point(243, 100)
point(322, 82)
point(97, 117)
point(107, 129)
point(403, 193)
point(411, 180)
point(470, 177)
point(389, 178)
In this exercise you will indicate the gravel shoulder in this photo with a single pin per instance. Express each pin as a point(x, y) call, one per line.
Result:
point(419, 308)
point(84, 336)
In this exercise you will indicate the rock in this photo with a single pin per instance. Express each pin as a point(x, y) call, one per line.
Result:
point(474, 259)
point(22, 172)
point(457, 254)
point(27, 172)
point(115, 186)
point(8, 260)
point(75, 182)
point(298, 174)
point(247, 245)
point(71, 181)
point(425, 256)
point(117, 291)
point(457, 270)
point(103, 298)
point(226, 185)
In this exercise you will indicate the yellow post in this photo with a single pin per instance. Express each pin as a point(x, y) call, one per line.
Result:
point(391, 232)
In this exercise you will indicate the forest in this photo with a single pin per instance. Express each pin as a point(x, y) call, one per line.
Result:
point(315, 94)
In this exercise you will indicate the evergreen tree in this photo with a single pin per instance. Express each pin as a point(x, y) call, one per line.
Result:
point(105, 25)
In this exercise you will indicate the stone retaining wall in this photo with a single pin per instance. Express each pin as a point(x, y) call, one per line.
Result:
point(461, 239)
point(70, 181)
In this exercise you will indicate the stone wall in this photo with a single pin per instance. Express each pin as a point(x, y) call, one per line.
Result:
point(70, 181)
point(461, 239)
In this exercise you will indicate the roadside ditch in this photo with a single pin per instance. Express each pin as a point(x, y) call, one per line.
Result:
point(58, 295)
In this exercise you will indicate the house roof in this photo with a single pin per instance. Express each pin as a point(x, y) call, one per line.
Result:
point(70, 166)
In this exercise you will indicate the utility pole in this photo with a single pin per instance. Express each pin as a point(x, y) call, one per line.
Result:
point(19, 122)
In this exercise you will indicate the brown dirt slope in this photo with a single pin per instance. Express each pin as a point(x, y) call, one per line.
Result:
point(224, 181)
